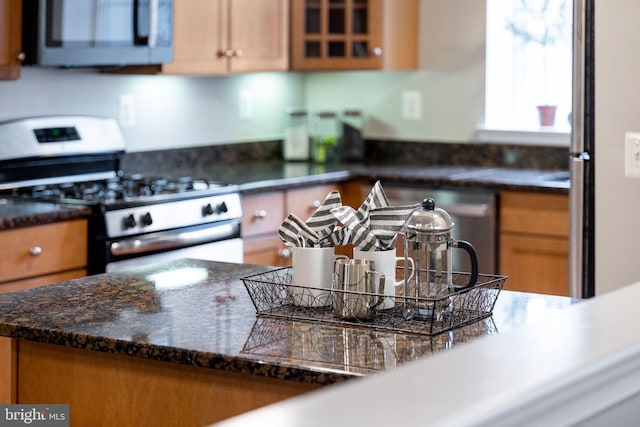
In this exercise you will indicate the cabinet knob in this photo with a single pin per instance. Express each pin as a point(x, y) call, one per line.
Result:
point(285, 253)
point(315, 204)
point(227, 53)
point(260, 214)
point(21, 56)
point(237, 52)
point(35, 250)
point(376, 51)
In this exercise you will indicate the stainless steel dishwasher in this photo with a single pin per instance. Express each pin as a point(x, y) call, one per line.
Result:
point(472, 211)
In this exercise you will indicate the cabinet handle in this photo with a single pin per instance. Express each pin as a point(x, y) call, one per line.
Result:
point(21, 56)
point(376, 51)
point(35, 250)
point(285, 253)
point(260, 214)
point(227, 53)
point(315, 204)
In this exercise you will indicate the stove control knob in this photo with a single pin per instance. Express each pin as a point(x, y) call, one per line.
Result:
point(146, 219)
point(129, 222)
point(207, 210)
point(222, 208)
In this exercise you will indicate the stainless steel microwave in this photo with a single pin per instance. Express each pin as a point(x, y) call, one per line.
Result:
point(95, 33)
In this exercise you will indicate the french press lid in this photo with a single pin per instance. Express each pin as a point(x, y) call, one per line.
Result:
point(428, 218)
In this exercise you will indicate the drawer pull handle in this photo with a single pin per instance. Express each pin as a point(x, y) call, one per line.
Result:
point(260, 213)
point(316, 204)
point(35, 250)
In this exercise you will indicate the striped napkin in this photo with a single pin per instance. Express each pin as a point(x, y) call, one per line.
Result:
point(375, 225)
point(319, 230)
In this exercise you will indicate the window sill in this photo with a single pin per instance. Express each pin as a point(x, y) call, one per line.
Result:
point(546, 137)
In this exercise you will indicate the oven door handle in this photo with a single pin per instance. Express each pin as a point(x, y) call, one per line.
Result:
point(174, 239)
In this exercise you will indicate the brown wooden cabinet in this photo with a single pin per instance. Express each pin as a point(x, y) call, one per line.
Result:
point(36, 256)
point(354, 34)
point(263, 215)
point(534, 242)
point(214, 37)
point(11, 55)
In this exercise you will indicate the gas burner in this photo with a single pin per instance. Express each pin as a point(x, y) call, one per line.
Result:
point(121, 188)
point(138, 185)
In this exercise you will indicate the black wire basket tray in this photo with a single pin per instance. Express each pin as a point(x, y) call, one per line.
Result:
point(273, 295)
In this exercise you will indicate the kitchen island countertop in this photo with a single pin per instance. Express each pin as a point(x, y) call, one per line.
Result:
point(198, 313)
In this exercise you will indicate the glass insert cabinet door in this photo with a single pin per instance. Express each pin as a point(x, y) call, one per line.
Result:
point(336, 34)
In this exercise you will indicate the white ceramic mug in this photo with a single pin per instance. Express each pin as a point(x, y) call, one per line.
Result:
point(386, 262)
point(312, 268)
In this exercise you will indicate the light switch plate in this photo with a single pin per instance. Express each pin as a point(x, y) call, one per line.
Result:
point(411, 105)
point(632, 154)
point(127, 110)
point(245, 105)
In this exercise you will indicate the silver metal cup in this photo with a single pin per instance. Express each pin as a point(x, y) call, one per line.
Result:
point(357, 289)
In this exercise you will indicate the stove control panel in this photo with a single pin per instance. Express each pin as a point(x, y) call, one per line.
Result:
point(173, 214)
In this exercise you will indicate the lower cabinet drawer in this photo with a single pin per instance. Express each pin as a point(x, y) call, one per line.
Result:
point(43, 249)
point(266, 251)
point(262, 213)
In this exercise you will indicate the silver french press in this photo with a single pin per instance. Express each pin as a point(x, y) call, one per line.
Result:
point(428, 240)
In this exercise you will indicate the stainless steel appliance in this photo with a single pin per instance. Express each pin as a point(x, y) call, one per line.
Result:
point(135, 219)
point(472, 212)
point(581, 155)
point(97, 33)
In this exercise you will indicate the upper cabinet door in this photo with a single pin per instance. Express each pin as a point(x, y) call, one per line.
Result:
point(199, 37)
point(259, 35)
point(336, 34)
point(10, 39)
point(354, 34)
point(214, 37)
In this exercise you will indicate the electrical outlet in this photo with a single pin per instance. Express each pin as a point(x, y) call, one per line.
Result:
point(127, 110)
point(632, 155)
point(245, 105)
point(411, 105)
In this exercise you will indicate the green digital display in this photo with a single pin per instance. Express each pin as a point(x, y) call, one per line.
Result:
point(58, 134)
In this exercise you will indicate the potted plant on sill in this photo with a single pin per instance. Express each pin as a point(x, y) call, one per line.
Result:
point(541, 22)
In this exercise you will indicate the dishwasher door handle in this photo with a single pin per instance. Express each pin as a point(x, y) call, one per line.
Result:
point(468, 210)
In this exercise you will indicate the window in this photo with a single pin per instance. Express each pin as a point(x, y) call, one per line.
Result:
point(529, 59)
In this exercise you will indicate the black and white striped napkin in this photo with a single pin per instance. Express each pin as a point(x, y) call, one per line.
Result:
point(375, 225)
point(319, 230)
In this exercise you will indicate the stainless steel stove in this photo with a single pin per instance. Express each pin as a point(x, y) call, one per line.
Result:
point(135, 219)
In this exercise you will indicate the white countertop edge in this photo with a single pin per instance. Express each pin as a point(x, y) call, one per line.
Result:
point(560, 371)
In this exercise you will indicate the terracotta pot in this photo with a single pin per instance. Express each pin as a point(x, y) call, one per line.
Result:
point(547, 114)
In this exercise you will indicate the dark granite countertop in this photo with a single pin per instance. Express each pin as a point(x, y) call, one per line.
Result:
point(199, 313)
point(276, 175)
point(24, 213)
point(261, 176)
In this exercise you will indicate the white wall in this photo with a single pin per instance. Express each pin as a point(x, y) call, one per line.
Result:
point(616, 111)
point(171, 111)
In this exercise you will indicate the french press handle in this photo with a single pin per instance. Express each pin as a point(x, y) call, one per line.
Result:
point(474, 262)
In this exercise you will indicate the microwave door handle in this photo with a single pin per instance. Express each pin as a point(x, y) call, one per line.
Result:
point(138, 39)
point(153, 22)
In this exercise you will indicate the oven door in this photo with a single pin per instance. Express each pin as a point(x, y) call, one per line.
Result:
point(214, 242)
